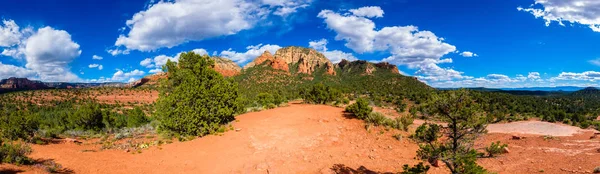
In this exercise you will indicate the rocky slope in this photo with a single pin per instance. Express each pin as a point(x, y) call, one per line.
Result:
point(307, 60)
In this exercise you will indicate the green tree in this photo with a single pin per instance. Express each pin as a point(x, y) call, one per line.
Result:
point(195, 99)
point(320, 94)
point(465, 124)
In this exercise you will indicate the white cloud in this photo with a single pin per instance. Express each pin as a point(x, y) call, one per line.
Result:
point(96, 57)
point(171, 23)
point(370, 12)
point(158, 61)
point(121, 76)
point(10, 34)
point(407, 45)
point(154, 71)
point(334, 56)
point(49, 52)
point(584, 76)
point(100, 67)
point(468, 54)
point(46, 51)
point(7, 71)
point(286, 7)
point(252, 52)
point(584, 12)
point(595, 62)
point(534, 75)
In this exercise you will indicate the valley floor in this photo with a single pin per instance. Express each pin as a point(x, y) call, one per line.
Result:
point(312, 139)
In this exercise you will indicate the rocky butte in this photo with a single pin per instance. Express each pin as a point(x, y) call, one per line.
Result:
point(308, 60)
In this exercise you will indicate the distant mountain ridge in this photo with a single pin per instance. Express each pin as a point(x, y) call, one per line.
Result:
point(19, 84)
point(546, 89)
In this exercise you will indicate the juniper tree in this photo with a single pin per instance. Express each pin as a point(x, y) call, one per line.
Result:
point(195, 99)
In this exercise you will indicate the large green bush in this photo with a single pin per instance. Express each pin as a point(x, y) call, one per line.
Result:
point(360, 109)
point(136, 117)
point(87, 117)
point(320, 94)
point(195, 99)
point(14, 153)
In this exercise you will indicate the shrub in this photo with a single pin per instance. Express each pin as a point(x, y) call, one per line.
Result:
point(15, 153)
point(360, 109)
point(195, 100)
point(495, 149)
point(597, 169)
point(17, 124)
point(320, 94)
point(416, 169)
point(87, 117)
point(136, 118)
point(406, 121)
point(265, 99)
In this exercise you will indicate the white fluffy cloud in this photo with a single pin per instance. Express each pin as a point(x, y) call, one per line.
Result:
point(252, 52)
point(121, 76)
point(100, 67)
point(96, 57)
point(46, 51)
point(408, 45)
point(334, 56)
point(534, 75)
point(370, 12)
point(468, 54)
point(584, 12)
point(49, 52)
point(171, 23)
point(584, 76)
point(7, 71)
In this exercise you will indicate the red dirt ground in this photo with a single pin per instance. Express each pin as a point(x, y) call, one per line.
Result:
point(311, 139)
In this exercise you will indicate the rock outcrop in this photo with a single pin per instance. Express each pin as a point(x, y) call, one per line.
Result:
point(365, 67)
point(386, 65)
point(14, 83)
point(307, 59)
point(226, 67)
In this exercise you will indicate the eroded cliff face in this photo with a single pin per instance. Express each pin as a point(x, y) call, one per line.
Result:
point(21, 83)
point(226, 67)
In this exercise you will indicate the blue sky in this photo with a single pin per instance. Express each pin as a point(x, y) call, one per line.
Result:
point(462, 43)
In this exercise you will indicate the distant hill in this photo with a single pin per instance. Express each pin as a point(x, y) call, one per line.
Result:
point(589, 92)
point(558, 88)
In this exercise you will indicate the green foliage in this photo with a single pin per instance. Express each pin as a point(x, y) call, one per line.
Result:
point(14, 153)
point(265, 98)
point(87, 117)
point(465, 124)
point(136, 117)
point(360, 109)
point(195, 99)
point(320, 94)
point(416, 169)
point(17, 125)
point(495, 148)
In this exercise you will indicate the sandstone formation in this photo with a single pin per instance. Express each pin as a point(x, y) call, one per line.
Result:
point(226, 67)
point(307, 59)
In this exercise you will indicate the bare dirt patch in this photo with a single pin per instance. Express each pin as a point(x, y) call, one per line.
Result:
point(534, 128)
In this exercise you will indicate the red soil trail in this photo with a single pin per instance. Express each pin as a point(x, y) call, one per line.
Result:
point(294, 139)
point(311, 139)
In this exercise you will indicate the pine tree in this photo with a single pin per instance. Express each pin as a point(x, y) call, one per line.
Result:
point(465, 124)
